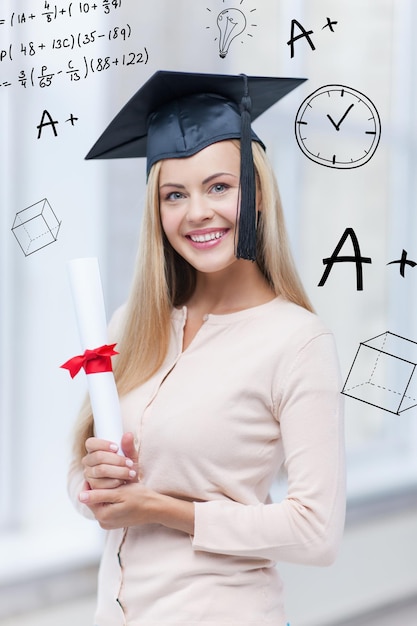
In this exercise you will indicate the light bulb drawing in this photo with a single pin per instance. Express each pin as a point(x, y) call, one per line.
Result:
point(231, 23)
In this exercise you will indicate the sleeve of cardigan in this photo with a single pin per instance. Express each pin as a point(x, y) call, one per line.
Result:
point(307, 526)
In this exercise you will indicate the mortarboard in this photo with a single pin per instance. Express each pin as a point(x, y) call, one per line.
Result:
point(177, 114)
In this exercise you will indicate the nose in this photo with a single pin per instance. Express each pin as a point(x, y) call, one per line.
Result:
point(199, 209)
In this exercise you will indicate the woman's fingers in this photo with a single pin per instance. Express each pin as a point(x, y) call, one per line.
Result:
point(98, 475)
point(103, 468)
point(93, 444)
point(105, 483)
point(129, 446)
point(106, 458)
point(99, 496)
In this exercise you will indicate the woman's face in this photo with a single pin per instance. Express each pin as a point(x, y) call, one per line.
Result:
point(199, 198)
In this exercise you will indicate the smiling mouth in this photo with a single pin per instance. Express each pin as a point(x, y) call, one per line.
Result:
point(207, 236)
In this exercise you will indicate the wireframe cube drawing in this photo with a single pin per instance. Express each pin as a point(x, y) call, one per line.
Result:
point(36, 226)
point(383, 373)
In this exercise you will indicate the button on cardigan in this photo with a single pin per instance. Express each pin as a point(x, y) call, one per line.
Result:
point(256, 392)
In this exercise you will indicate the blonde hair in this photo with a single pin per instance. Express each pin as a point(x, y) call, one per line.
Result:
point(163, 279)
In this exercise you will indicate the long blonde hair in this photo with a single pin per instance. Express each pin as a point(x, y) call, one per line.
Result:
point(163, 279)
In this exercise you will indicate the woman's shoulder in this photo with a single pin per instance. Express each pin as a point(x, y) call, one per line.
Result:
point(293, 316)
point(289, 328)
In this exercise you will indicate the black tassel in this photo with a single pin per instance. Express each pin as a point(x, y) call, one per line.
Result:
point(246, 245)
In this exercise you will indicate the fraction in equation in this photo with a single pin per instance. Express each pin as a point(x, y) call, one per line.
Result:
point(44, 77)
point(51, 11)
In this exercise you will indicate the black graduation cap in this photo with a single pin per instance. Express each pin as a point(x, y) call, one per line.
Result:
point(177, 114)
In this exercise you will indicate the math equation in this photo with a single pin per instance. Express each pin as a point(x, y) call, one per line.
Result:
point(51, 12)
point(41, 59)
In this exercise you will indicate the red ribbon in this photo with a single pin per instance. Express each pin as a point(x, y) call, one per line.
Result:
point(93, 361)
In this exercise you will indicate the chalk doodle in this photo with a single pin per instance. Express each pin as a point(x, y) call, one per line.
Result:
point(337, 126)
point(50, 12)
point(47, 120)
point(41, 76)
point(34, 50)
point(36, 227)
point(305, 34)
point(231, 23)
point(357, 259)
point(383, 373)
point(73, 40)
point(403, 262)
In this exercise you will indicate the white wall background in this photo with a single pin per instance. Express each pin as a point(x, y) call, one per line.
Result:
point(372, 49)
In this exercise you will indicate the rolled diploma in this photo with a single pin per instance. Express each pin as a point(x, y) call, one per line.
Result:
point(88, 300)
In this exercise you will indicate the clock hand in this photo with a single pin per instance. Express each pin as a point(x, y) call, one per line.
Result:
point(334, 124)
point(337, 126)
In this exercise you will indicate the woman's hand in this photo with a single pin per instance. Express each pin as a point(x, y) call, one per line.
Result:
point(126, 505)
point(118, 500)
point(133, 504)
point(104, 468)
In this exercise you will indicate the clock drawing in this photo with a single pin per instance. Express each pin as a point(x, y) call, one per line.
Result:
point(337, 126)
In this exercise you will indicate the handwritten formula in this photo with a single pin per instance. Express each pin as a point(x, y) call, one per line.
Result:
point(51, 12)
point(44, 58)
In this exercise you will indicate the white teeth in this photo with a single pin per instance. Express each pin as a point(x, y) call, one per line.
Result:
point(207, 237)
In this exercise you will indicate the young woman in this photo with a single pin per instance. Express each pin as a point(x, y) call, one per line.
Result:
point(225, 376)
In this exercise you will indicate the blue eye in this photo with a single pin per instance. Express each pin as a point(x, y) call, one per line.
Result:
point(174, 195)
point(219, 188)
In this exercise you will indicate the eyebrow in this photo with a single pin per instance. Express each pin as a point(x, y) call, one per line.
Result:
point(205, 181)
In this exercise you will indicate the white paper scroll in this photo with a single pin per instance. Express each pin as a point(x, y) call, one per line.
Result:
point(88, 300)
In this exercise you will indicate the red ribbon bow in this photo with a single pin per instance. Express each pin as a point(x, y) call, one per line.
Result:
point(93, 361)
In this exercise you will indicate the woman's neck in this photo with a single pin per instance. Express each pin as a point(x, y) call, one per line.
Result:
point(240, 286)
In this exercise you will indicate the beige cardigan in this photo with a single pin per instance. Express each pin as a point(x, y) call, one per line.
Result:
point(254, 391)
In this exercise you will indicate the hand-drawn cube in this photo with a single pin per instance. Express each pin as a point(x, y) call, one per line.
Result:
point(36, 227)
point(383, 373)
